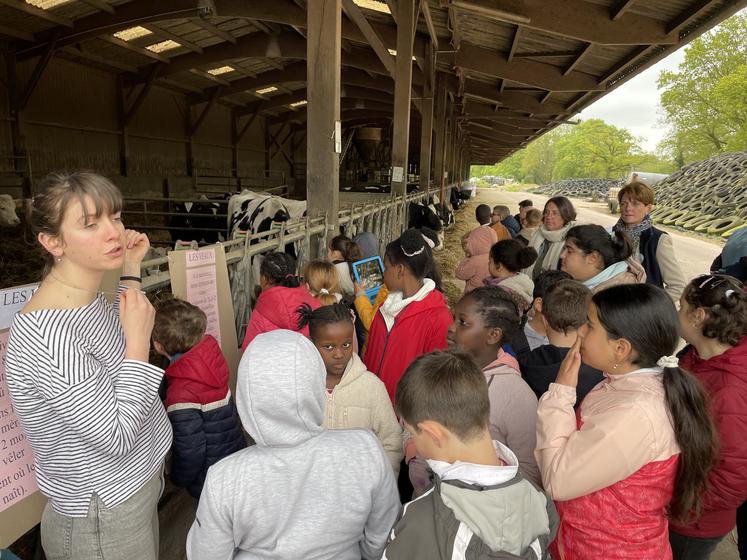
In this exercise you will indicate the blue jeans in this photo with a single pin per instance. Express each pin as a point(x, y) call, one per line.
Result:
point(124, 532)
point(692, 548)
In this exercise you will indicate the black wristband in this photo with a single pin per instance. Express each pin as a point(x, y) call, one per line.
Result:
point(133, 278)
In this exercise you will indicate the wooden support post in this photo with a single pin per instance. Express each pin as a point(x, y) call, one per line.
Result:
point(188, 145)
point(124, 140)
point(20, 157)
point(267, 146)
point(440, 126)
point(234, 144)
point(426, 126)
point(36, 76)
point(323, 44)
point(402, 88)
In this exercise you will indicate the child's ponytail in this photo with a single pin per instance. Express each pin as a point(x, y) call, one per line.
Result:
point(645, 316)
point(323, 281)
point(696, 436)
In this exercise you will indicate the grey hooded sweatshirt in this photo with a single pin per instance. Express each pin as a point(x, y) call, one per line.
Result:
point(302, 492)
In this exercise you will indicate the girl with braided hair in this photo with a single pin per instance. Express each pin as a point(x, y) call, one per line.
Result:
point(713, 320)
point(484, 320)
point(282, 294)
point(356, 398)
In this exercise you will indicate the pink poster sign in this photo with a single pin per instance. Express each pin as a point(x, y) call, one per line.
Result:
point(202, 287)
point(17, 477)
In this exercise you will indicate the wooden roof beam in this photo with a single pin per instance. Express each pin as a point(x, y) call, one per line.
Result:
point(166, 34)
point(528, 72)
point(134, 48)
point(581, 54)
point(511, 100)
point(575, 19)
point(693, 11)
point(127, 15)
point(286, 12)
point(514, 43)
point(357, 17)
point(214, 29)
point(46, 15)
point(100, 5)
point(620, 8)
point(425, 7)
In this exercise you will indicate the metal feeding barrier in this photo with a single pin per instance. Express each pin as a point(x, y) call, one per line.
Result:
point(385, 219)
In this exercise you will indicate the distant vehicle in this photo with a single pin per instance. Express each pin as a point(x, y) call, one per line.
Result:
point(645, 177)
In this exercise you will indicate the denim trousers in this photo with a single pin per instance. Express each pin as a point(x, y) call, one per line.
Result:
point(126, 531)
point(692, 548)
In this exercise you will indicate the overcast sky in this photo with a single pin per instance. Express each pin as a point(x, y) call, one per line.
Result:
point(635, 104)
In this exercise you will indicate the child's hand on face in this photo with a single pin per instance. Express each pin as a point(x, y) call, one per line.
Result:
point(568, 373)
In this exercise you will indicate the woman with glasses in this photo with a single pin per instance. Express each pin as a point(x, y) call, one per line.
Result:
point(557, 218)
point(713, 320)
point(652, 247)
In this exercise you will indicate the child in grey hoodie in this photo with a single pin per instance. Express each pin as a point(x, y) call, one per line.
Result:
point(302, 491)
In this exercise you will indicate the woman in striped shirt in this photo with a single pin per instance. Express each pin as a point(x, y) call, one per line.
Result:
point(79, 378)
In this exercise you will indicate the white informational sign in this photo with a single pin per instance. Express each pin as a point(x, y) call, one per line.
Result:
point(338, 137)
point(398, 174)
point(17, 473)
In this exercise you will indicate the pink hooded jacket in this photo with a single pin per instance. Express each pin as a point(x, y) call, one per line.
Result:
point(475, 268)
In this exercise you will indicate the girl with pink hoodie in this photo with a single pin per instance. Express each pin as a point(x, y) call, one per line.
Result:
point(475, 267)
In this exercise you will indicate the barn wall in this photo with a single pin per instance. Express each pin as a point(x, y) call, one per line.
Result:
point(71, 123)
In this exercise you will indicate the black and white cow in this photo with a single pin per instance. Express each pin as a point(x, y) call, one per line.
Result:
point(255, 212)
point(197, 221)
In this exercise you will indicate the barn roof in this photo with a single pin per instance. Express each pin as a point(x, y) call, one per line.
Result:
point(515, 68)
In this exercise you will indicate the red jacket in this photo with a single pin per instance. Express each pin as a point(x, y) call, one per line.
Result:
point(202, 413)
point(419, 328)
point(725, 379)
point(277, 309)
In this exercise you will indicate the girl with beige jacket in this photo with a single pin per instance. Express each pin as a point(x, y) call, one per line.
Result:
point(356, 398)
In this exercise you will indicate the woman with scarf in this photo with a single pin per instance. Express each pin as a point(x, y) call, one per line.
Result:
point(598, 260)
point(652, 247)
point(557, 218)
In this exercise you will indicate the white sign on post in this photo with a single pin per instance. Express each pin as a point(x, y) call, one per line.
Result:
point(398, 174)
point(338, 137)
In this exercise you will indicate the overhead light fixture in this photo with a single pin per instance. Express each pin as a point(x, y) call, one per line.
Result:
point(298, 104)
point(47, 4)
point(163, 46)
point(132, 33)
point(221, 70)
point(373, 5)
point(491, 11)
point(263, 91)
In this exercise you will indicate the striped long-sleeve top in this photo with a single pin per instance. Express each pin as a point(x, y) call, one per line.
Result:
point(93, 418)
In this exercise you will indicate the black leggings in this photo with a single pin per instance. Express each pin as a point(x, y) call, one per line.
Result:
point(742, 531)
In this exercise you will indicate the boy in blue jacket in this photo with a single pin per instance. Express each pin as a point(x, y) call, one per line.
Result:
point(198, 401)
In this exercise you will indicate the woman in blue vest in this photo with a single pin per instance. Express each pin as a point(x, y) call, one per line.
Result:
point(653, 247)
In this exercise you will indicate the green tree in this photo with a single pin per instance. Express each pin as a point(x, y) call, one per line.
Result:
point(704, 103)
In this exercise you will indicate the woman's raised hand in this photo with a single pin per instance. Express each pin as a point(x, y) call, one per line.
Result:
point(136, 246)
point(137, 316)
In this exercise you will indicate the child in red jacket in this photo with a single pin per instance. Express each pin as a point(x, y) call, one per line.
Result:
point(414, 319)
point(198, 401)
point(282, 294)
point(713, 319)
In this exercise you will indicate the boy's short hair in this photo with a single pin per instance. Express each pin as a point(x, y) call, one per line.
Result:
point(565, 305)
point(446, 387)
point(533, 218)
point(546, 279)
point(502, 211)
point(526, 202)
point(179, 326)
